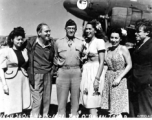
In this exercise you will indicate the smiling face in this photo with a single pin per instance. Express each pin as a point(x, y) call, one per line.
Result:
point(45, 32)
point(70, 31)
point(18, 42)
point(115, 39)
point(90, 31)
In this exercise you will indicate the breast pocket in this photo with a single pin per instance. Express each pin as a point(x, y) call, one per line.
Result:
point(78, 52)
point(78, 49)
point(62, 53)
point(62, 56)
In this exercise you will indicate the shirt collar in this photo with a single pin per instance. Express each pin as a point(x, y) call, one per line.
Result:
point(42, 45)
point(70, 39)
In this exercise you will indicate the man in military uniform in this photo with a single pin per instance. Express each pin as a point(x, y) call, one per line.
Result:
point(67, 57)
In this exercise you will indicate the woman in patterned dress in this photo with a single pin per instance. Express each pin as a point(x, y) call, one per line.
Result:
point(14, 84)
point(115, 93)
point(93, 70)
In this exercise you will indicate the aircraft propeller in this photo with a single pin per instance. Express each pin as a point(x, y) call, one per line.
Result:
point(105, 18)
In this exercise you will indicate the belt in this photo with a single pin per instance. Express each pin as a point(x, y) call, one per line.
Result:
point(12, 65)
point(70, 67)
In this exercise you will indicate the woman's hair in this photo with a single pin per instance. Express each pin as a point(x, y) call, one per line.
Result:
point(115, 30)
point(99, 31)
point(19, 31)
point(122, 36)
point(146, 24)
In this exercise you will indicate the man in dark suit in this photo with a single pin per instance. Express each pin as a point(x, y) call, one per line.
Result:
point(41, 53)
point(142, 68)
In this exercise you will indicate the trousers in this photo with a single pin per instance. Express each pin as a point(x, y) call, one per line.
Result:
point(68, 80)
point(41, 94)
point(145, 102)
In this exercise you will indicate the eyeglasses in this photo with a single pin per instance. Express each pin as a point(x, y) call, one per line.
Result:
point(139, 31)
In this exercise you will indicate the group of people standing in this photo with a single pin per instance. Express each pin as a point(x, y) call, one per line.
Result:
point(26, 69)
point(94, 72)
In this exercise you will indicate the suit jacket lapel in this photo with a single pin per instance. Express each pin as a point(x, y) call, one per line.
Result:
point(144, 46)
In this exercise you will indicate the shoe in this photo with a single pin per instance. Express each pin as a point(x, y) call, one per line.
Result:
point(119, 116)
point(59, 116)
point(73, 116)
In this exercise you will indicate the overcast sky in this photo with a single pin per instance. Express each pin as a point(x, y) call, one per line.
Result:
point(29, 13)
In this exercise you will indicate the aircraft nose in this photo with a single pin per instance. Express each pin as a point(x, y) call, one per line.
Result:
point(75, 8)
point(65, 4)
point(69, 3)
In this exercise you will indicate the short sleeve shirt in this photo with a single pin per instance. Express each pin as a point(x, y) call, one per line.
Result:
point(96, 45)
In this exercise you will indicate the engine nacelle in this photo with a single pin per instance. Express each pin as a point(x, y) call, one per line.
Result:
point(124, 17)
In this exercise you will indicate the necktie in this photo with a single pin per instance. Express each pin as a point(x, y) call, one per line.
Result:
point(69, 43)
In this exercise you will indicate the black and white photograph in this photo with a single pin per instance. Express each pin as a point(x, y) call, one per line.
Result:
point(75, 59)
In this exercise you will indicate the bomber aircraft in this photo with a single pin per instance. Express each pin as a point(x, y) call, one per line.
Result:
point(114, 13)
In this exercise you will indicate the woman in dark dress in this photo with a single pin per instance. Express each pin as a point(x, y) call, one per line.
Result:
point(142, 68)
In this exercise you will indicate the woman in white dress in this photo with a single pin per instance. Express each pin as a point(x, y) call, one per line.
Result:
point(14, 84)
point(93, 69)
